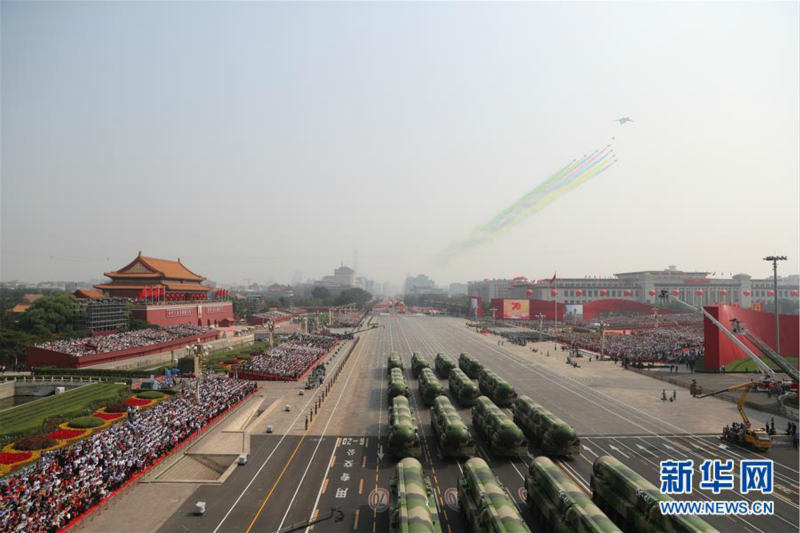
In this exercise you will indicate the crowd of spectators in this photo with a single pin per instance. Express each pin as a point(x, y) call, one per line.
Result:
point(65, 483)
point(291, 358)
point(274, 316)
point(346, 319)
point(122, 341)
point(666, 319)
point(670, 345)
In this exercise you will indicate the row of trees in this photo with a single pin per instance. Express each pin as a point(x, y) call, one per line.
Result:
point(50, 317)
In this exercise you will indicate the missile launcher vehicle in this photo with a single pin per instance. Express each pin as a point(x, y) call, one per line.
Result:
point(395, 361)
point(413, 508)
point(443, 364)
point(469, 365)
point(499, 390)
point(403, 431)
point(463, 389)
point(451, 433)
point(497, 429)
point(397, 384)
point(429, 386)
point(557, 503)
point(418, 362)
point(551, 435)
point(485, 503)
point(632, 501)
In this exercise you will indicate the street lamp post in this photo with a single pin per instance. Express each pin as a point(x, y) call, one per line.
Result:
point(775, 259)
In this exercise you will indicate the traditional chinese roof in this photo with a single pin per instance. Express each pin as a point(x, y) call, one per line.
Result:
point(89, 293)
point(146, 268)
point(20, 308)
point(131, 285)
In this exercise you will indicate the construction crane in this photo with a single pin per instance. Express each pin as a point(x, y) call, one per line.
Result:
point(756, 439)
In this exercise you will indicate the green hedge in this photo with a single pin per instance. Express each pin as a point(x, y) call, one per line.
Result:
point(150, 395)
point(85, 422)
point(98, 372)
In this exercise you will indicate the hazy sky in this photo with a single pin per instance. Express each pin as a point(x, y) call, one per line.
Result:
point(255, 140)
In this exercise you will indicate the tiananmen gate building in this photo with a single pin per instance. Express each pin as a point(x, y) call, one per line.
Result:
point(166, 293)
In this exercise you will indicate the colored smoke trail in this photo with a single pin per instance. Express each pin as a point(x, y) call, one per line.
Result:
point(569, 177)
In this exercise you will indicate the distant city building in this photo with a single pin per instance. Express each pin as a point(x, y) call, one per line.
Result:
point(421, 284)
point(368, 285)
point(696, 288)
point(343, 278)
point(457, 289)
point(277, 291)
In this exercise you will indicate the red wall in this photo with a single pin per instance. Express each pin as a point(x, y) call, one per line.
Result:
point(209, 313)
point(720, 350)
point(41, 357)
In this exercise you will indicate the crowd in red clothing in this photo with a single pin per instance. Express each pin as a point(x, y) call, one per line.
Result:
point(64, 483)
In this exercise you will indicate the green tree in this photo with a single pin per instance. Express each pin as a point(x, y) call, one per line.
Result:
point(12, 346)
point(49, 315)
point(357, 296)
point(321, 293)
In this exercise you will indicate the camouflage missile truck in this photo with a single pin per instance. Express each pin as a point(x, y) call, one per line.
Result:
point(463, 389)
point(395, 361)
point(469, 365)
point(558, 505)
point(497, 429)
point(485, 503)
point(397, 384)
point(413, 508)
point(451, 433)
point(403, 431)
point(551, 435)
point(496, 388)
point(632, 501)
point(417, 364)
point(429, 386)
point(443, 364)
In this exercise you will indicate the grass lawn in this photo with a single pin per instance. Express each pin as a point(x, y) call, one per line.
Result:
point(747, 364)
point(791, 402)
point(29, 417)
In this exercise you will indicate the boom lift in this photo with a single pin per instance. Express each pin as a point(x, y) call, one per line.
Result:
point(770, 377)
point(757, 439)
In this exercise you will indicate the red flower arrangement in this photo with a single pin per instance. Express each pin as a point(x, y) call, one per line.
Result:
point(108, 416)
point(133, 402)
point(10, 458)
point(66, 434)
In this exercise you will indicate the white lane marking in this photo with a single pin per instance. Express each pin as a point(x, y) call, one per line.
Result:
point(319, 492)
point(321, 437)
point(619, 451)
point(585, 447)
point(644, 449)
point(289, 428)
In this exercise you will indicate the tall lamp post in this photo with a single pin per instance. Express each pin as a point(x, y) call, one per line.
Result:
point(199, 351)
point(774, 259)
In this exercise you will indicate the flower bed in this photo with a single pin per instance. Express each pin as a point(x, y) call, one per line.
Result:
point(67, 434)
point(12, 458)
point(136, 402)
point(108, 416)
point(119, 407)
point(35, 442)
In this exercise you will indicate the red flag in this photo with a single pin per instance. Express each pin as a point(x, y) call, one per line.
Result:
point(553, 279)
